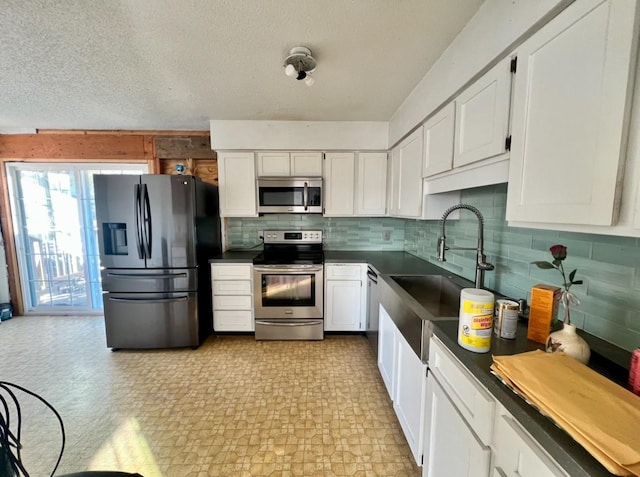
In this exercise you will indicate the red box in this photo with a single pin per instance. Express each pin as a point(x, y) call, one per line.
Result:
point(634, 372)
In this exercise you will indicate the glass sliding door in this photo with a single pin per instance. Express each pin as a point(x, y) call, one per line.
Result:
point(53, 210)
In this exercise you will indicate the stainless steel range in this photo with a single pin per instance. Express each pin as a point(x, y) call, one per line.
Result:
point(288, 281)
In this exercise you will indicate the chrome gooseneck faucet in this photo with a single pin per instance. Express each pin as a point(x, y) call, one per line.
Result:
point(481, 260)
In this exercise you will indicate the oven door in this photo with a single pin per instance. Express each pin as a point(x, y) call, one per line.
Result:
point(288, 291)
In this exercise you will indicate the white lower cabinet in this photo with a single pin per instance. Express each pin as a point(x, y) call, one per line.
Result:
point(467, 433)
point(345, 297)
point(411, 389)
point(232, 300)
point(458, 423)
point(517, 454)
point(387, 351)
point(404, 376)
point(451, 448)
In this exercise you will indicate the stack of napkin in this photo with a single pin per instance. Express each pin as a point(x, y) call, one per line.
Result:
point(602, 416)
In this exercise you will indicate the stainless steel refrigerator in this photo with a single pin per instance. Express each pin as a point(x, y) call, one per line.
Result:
point(156, 234)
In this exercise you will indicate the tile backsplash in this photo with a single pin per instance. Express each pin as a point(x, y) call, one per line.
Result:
point(609, 265)
point(340, 233)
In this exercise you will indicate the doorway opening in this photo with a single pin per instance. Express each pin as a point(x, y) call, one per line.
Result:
point(53, 211)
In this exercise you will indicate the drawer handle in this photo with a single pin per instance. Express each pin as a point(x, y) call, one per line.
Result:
point(289, 323)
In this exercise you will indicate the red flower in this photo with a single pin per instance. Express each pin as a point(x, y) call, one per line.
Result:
point(559, 252)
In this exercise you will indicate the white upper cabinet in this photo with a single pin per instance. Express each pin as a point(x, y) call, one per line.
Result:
point(300, 164)
point(406, 177)
point(355, 184)
point(570, 115)
point(371, 184)
point(237, 184)
point(339, 181)
point(438, 141)
point(273, 164)
point(482, 116)
point(306, 164)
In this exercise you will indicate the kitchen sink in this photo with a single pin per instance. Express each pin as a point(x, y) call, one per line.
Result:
point(414, 302)
point(438, 294)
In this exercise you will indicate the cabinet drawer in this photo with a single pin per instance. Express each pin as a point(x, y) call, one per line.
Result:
point(517, 454)
point(343, 272)
point(231, 287)
point(231, 302)
point(232, 320)
point(473, 402)
point(231, 272)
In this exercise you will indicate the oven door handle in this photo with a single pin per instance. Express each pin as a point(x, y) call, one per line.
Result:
point(292, 269)
point(289, 323)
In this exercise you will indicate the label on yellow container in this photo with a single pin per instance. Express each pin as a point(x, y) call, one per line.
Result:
point(476, 320)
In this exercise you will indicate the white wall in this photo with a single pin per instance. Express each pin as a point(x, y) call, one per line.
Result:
point(322, 135)
point(496, 26)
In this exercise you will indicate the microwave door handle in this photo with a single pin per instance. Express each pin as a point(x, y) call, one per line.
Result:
point(306, 195)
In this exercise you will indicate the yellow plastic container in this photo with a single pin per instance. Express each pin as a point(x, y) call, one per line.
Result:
point(476, 319)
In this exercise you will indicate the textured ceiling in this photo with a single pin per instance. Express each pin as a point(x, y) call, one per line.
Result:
point(163, 64)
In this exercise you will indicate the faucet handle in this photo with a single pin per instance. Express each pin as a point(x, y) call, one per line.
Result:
point(442, 246)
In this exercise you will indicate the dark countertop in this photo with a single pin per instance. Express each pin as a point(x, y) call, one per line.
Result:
point(236, 256)
point(383, 262)
point(575, 460)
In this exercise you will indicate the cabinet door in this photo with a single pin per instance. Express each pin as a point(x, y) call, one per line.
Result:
point(393, 188)
point(387, 339)
point(472, 400)
point(343, 305)
point(273, 164)
point(482, 116)
point(450, 447)
point(339, 181)
point(408, 192)
point(570, 115)
point(371, 184)
point(409, 404)
point(438, 141)
point(516, 454)
point(306, 164)
point(237, 184)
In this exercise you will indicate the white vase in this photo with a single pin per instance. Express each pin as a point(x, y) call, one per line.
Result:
point(568, 341)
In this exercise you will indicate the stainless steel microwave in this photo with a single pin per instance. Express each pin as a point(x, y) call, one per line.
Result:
point(290, 195)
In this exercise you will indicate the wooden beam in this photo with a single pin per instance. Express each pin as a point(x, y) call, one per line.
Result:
point(119, 132)
point(150, 152)
point(15, 288)
point(184, 147)
point(73, 146)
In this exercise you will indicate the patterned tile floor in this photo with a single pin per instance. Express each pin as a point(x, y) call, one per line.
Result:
point(234, 407)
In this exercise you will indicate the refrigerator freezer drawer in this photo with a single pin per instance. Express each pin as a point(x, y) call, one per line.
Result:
point(123, 280)
point(151, 320)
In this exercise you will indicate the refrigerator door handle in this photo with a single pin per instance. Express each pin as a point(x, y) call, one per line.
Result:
point(149, 300)
point(137, 205)
point(135, 276)
point(147, 222)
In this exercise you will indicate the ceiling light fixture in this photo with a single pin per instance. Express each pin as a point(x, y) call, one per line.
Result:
point(300, 64)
